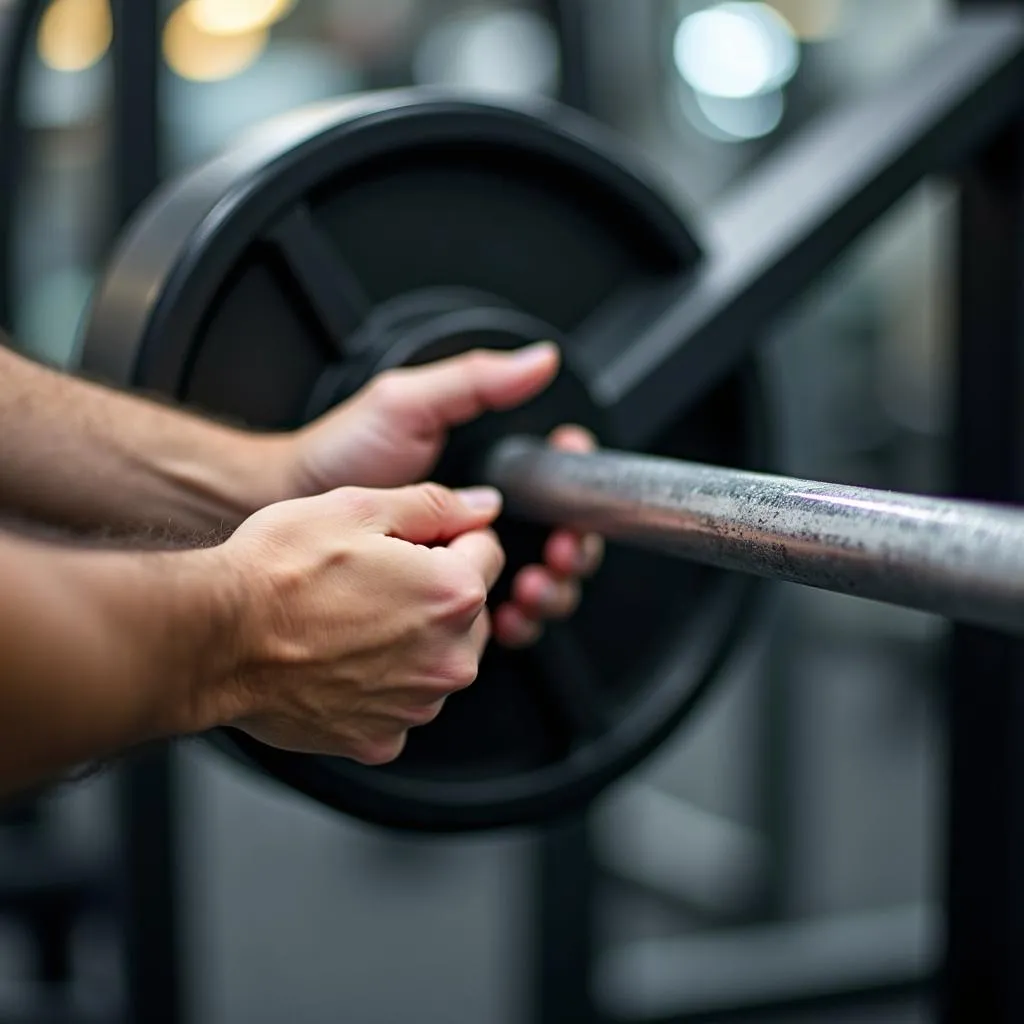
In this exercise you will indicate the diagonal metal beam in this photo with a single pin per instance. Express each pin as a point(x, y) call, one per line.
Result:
point(773, 237)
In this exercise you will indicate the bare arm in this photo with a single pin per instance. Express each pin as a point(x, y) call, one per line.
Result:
point(78, 454)
point(101, 650)
point(314, 627)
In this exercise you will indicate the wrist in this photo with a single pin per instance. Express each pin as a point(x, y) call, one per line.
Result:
point(299, 475)
point(204, 600)
point(171, 619)
point(105, 650)
point(235, 474)
point(263, 471)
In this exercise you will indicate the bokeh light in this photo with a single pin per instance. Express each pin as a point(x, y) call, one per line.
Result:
point(75, 34)
point(813, 21)
point(234, 17)
point(201, 56)
point(505, 51)
point(735, 50)
point(740, 120)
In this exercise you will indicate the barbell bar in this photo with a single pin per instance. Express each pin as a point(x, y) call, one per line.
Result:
point(962, 560)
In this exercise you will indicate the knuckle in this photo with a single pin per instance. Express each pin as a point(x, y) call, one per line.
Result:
point(374, 753)
point(497, 550)
point(461, 671)
point(467, 597)
point(424, 714)
point(387, 388)
point(436, 498)
point(477, 360)
point(357, 504)
point(460, 590)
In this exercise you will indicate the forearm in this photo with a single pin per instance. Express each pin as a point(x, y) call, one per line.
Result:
point(76, 453)
point(100, 651)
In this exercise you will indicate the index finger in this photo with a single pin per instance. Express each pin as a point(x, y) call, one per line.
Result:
point(483, 550)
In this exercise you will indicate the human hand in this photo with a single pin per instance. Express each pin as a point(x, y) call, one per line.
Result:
point(350, 628)
point(393, 431)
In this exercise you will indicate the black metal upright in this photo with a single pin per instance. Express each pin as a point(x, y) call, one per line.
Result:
point(564, 939)
point(136, 113)
point(17, 30)
point(147, 783)
point(147, 795)
point(571, 19)
point(565, 872)
point(983, 978)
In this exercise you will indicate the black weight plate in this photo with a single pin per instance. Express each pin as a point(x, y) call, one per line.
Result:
point(245, 285)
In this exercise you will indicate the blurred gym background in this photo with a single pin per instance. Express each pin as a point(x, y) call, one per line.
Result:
point(789, 838)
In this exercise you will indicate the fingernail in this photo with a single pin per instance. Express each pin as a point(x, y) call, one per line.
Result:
point(524, 634)
point(588, 557)
point(481, 499)
point(535, 354)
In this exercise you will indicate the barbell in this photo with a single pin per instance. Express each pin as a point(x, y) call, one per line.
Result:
point(397, 228)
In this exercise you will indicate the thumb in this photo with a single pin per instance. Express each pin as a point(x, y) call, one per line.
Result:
point(432, 514)
point(454, 391)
